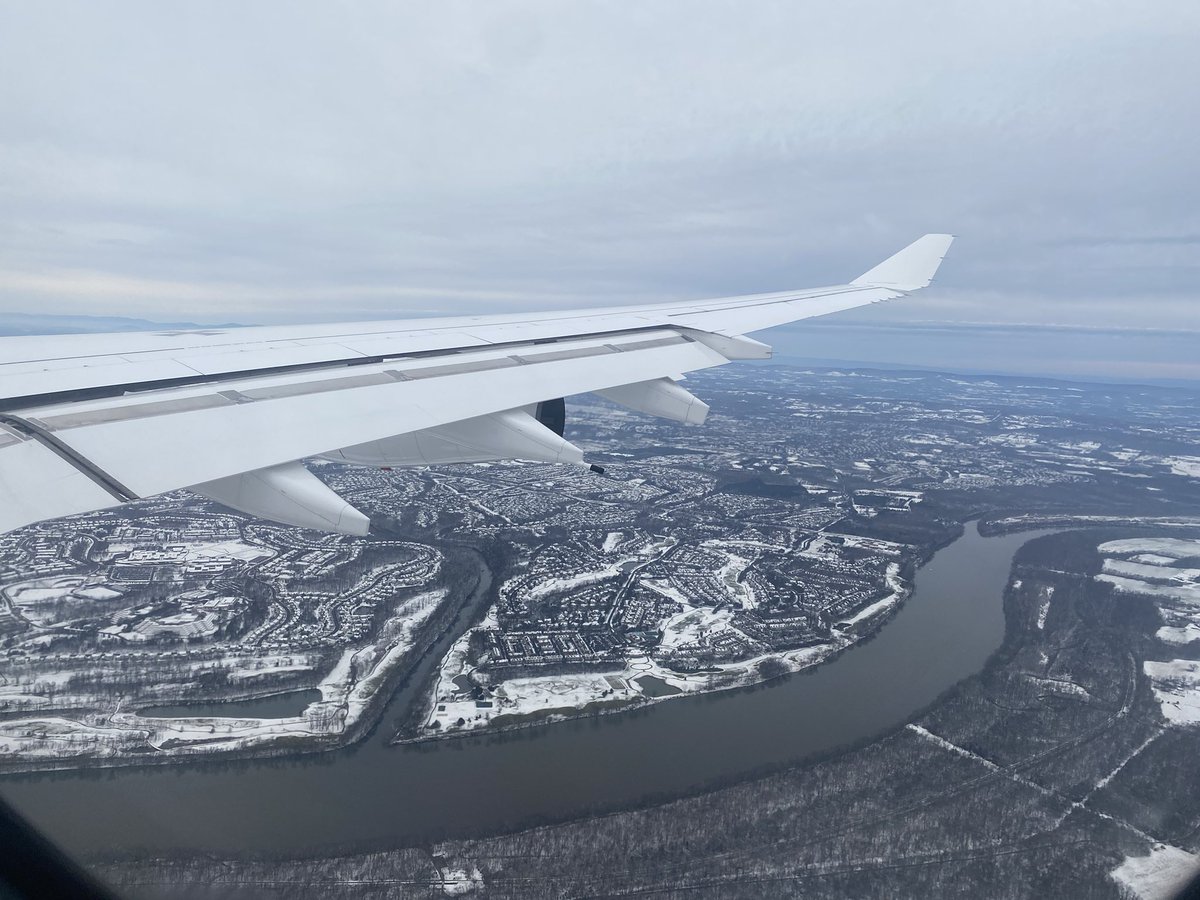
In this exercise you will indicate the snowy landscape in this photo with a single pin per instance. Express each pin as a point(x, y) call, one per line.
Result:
point(772, 541)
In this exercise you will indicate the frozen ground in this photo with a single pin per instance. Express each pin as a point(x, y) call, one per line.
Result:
point(1183, 593)
point(1177, 687)
point(461, 703)
point(1179, 634)
point(1151, 566)
point(1047, 594)
point(1155, 571)
point(1170, 548)
point(730, 576)
point(898, 593)
point(558, 585)
point(1159, 875)
point(553, 697)
point(346, 694)
point(695, 625)
point(1044, 520)
point(1188, 466)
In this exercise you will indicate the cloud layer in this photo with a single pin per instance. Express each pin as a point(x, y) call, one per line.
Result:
point(299, 161)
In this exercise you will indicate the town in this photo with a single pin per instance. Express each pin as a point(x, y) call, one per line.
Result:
point(771, 539)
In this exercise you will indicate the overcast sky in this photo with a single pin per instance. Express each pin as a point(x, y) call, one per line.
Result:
point(271, 162)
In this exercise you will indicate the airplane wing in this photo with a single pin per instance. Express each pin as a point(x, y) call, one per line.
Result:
point(92, 421)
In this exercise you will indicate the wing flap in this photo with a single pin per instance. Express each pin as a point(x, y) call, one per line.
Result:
point(164, 450)
point(36, 483)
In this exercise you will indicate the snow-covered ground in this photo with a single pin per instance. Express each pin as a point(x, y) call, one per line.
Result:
point(819, 546)
point(1152, 559)
point(346, 693)
point(1044, 605)
point(1158, 876)
point(456, 882)
point(1184, 593)
point(1150, 566)
point(693, 625)
point(35, 598)
point(643, 679)
point(898, 593)
point(1170, 548)
point(729, 575)
point(1154, 572)
point(1179, 634)
point(1188, 466)
point(1176, 686)
point(1059, 686)
point(558, 585)
point(1044, 520)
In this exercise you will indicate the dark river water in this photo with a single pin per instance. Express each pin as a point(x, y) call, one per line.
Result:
point(374, 794)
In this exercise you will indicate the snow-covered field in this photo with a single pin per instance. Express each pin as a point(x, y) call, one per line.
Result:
point(1184, 593)
point(1176, 685)
point(558, 585)
point(1179, 634)
point(34, 599)
point(1155, 572)
point(730, 574)
point(693, 625)
point(1169, 548)
point(1188, 466)
point(1158, 876)
point(1150, 566)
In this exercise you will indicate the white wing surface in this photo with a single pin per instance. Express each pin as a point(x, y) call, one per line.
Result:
point(92, 421)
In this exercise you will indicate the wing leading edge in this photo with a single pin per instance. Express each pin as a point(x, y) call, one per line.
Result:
point(92, 421)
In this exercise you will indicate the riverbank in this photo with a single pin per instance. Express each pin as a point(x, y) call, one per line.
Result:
point(372, 794)
point(1027, 778)
point(472, 694)
point(349, 693)
point(354, 697)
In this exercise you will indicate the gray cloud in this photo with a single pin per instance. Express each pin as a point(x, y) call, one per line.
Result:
point(296, 161)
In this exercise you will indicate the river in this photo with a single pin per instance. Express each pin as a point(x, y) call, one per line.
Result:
point(376, 795)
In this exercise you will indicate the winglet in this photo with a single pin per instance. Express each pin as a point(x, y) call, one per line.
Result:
point(911, 268)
